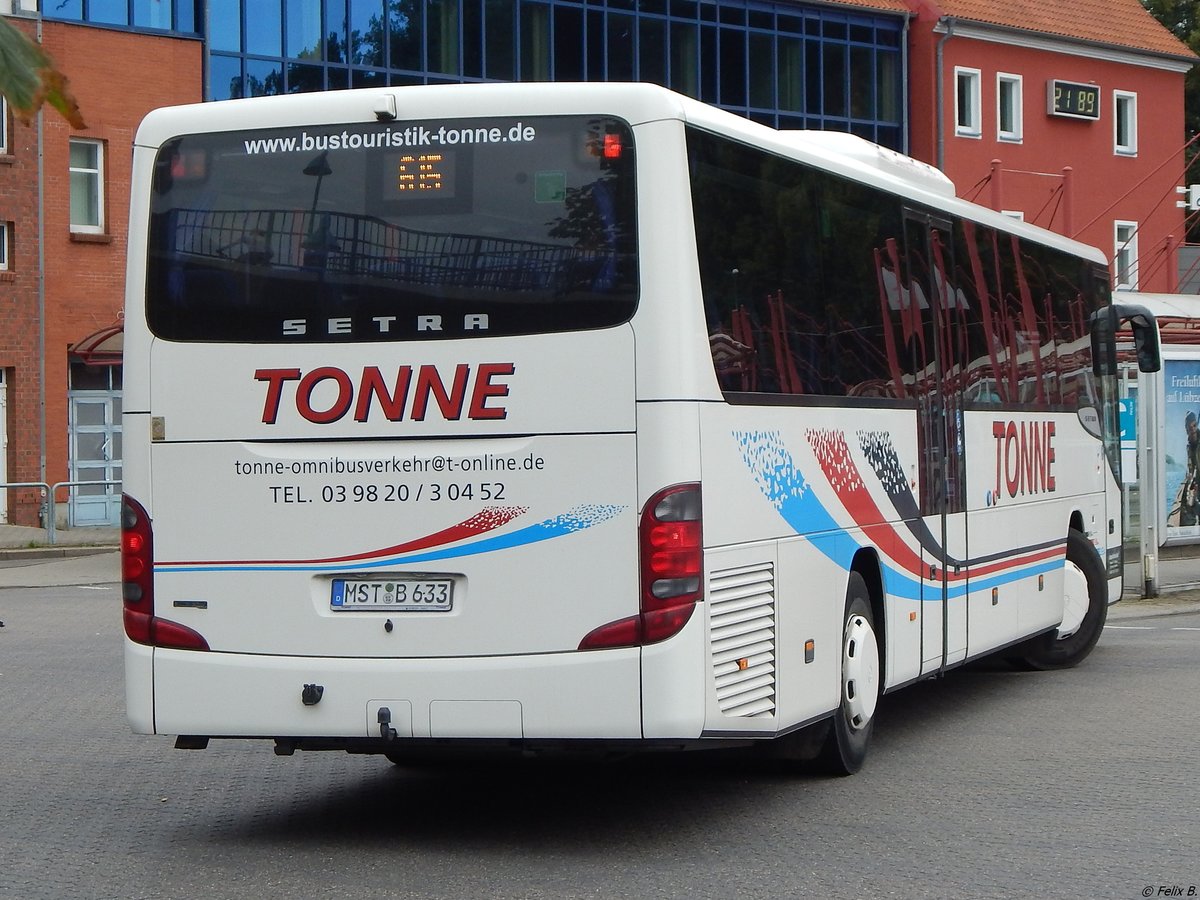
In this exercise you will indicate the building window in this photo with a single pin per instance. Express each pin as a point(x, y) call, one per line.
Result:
point(787, 65)
point(1125, 123)
point(4, 233)
point(4, 149)
point(1008, 107)
point(151, 15)
point(966, 103)
point(1125, 255)
point(87, 186)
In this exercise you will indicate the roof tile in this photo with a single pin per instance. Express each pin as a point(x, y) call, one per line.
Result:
point(1120, 23)
point(899, 6)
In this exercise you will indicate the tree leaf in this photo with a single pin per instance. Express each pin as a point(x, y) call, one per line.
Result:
point(28, 78)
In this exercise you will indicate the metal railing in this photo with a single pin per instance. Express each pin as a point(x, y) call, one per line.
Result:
point(48, 511)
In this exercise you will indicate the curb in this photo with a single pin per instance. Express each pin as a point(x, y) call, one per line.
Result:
point(17, 554)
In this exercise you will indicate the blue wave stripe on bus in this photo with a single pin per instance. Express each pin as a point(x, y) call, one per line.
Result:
point(578, 519)
point(785, 486)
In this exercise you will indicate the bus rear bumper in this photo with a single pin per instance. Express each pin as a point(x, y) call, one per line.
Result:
point(560, 696)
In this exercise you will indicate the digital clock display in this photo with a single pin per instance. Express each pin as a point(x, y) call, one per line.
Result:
point(1076, 101)
point(423, 176)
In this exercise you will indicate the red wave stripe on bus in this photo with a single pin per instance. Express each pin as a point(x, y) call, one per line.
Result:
point(487, 519)
point(843, 476)
point(840, 471)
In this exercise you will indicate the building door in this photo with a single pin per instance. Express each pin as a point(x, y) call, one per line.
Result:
point(95, 444)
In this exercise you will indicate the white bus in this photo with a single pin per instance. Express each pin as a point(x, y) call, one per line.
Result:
point(566, 416)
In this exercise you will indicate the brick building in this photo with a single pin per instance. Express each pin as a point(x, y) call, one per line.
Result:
point(68, 271)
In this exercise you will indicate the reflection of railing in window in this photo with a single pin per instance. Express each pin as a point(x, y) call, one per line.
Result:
point(361, 246)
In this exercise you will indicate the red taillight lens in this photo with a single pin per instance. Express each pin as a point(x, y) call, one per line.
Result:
point(672, 547)
point(671, 542)
point(137, 585)
point(137, 558)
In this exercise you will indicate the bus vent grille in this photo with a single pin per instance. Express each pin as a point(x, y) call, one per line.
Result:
point(742, 636)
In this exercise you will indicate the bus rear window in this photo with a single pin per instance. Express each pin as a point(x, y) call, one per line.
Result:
point(394, 231)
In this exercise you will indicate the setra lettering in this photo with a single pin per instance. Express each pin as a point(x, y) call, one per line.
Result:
point(346, 325)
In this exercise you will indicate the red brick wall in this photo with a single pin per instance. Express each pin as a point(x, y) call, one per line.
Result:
point(117, 78)
point(19, 305)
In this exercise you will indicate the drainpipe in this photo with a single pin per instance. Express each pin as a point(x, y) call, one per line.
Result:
point(941, 95)
point(41, 300)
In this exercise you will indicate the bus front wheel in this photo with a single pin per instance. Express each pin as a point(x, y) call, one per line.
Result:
point(845, 747)
point(1086, 592)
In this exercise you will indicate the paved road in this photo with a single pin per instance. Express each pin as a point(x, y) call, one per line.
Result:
point(988, 783)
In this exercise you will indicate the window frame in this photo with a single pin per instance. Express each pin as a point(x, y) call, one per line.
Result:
point(1125, 145)
point(1125, 255)
point(5, 246)
point(974, 97)
point(5, 130)
point(1017, 134)
point(97, 178)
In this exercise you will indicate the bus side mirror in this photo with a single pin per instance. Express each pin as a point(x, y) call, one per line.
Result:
point(1104, 324)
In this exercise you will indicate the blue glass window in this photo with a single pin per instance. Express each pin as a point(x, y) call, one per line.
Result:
point(404, 25)
point(652, 50)
point(225, 26)
point(264, 30)
point(568, 44)
point(263, 77)
point(303, 40)
point(303, 78)
point(535, 42)
point(472, 32)
point(620, 52)
point(108, 12)
point(337, 46)
point(152, 14)
point(784, 64)
point(441, 29)
point(66, 9)
point(185, 16)
point(225, 77)
point(366, 32)
point(499, 59)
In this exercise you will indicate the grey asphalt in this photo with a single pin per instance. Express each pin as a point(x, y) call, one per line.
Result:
point(82, 556)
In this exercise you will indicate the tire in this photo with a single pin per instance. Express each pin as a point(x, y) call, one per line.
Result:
point(859, 682)
point(1084, 578)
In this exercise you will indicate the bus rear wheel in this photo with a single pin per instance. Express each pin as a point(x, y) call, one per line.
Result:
point(1086, 610)
point(849, 735)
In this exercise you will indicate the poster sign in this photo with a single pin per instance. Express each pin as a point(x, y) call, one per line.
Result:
point(1181, 422)
point(1127, 410)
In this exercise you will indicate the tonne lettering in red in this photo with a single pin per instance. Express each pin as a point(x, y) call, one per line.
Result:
point(405, 392)
point(1024, 457)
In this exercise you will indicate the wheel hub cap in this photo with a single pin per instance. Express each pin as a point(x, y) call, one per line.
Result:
point(1075, 600)
point(860, 671)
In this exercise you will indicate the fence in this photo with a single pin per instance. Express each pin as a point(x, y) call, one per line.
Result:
point(48, 511)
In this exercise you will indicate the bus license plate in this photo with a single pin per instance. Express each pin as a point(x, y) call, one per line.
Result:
point(400, 595)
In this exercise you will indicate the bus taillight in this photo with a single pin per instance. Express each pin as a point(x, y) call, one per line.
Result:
point(137, 585)
point(671, 545)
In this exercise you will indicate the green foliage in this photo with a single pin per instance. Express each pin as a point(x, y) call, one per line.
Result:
point(1182, 19)
point(28, 78)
